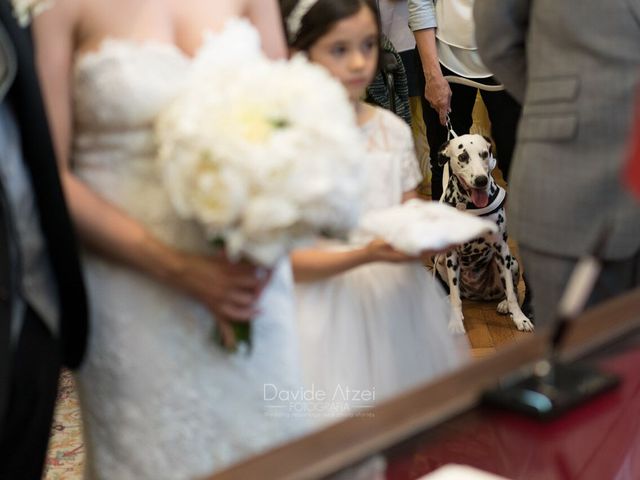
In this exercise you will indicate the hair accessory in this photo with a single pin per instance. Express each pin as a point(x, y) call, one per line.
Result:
point(294, 21)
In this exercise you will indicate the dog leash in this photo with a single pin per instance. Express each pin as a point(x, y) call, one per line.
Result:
point(451, 133)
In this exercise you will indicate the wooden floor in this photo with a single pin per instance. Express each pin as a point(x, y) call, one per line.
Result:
point(486, 329)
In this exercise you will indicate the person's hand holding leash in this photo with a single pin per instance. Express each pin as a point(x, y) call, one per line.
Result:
point(438, 93)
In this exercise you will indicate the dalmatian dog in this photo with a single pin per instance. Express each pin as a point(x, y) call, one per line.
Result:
point(482, 269)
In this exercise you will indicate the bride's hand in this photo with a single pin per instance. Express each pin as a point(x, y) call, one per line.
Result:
point(380, 251)
point(229, 289)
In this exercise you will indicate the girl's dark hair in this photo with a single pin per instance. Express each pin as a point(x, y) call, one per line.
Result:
point(322, 17)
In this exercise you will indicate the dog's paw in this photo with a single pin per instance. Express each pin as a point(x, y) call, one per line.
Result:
point(503, 307)
point(522, 323)
point(456, 326)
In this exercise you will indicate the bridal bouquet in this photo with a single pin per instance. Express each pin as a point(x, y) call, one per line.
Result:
point(265, 155)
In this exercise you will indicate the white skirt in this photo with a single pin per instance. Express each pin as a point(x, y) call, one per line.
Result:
point(373, 332)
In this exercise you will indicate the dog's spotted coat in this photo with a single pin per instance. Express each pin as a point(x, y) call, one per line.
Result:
point(482, 269)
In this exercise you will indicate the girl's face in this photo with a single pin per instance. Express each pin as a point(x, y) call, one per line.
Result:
point(350, 51)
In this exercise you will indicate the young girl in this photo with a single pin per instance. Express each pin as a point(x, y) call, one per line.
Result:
point(370, 318)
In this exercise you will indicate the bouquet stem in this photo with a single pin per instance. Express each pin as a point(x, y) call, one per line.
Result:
point(242, 332)
point(241, 336)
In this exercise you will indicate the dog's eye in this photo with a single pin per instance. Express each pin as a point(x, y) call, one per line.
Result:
point(463, 157)
point(484, 154)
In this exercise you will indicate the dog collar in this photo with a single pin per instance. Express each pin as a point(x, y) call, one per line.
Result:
point(496, 202)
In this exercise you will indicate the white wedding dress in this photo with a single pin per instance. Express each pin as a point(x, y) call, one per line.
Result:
point(160, 399)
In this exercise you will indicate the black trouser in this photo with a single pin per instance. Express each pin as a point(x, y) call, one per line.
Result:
point(504, 114)
point(32, 395)
point(550, 274)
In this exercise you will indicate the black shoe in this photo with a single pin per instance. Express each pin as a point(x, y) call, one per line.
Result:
point(527, 305)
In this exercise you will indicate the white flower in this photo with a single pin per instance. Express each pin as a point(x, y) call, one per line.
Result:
point(264, 155)
point(26, 10)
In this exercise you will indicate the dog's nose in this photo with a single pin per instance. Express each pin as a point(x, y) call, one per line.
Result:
point(481, 181)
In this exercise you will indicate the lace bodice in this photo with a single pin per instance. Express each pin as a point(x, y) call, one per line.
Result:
point(118, 92)
point(124, 84)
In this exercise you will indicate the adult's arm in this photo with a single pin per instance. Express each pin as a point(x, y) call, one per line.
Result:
point(422, 21)
point(265, 15)
point(501, 32)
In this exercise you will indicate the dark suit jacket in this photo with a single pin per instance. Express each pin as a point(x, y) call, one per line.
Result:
point(25, 98)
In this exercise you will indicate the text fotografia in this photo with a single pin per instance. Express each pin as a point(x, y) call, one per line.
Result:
point(314, 401)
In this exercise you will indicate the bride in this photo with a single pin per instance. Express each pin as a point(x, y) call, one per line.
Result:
point(160, 398)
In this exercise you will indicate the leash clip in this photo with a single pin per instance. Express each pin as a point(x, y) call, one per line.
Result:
point(451, 133)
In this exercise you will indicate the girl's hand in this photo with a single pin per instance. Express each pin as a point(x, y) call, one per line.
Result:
point(380, 251)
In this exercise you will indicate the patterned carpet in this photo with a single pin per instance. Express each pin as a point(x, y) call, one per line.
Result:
point(66, 450)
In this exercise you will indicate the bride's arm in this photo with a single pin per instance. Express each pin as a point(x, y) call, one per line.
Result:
point(265, 15)
point(226, 289)
point(101, 226)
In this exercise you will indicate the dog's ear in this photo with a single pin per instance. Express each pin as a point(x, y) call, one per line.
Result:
point(492, 162)
point(492, 159)
point(489, 144)
point(443, 154)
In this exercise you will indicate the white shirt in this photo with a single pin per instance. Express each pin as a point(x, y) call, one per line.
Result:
point(37, 286)
point(455, 33)
point(395, 24)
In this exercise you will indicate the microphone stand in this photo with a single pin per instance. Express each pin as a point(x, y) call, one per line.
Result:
point(556, 386)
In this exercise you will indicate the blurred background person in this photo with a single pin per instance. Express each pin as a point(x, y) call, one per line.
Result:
point(43, 309)
point(394, 16)
point(444, 34)
point(575, 66)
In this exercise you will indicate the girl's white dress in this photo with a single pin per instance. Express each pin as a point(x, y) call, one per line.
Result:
point(379, 328)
